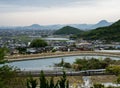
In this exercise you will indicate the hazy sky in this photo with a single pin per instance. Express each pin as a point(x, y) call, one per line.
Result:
point(45, 12)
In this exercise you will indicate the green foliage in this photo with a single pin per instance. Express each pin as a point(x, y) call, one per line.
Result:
point(116, 23)
point(2, 54)
point(67, 30)
point(37, 43)
point(7, 72)
point(6, 75)
point(31, 83)
point(102, 86)
point(118, 80)
point(63, 64)
point(44, 83)
point(73, 37)
point(22, 50)
point(51, 85)
point(92, 63)
point(77, 67)
point(98, 86)
point(54, 50)
point(67, 65)
point(110, 33)
point(86, 64)
point(114, 69)
point(63, 83)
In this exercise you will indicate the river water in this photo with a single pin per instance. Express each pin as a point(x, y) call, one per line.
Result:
point(48, 63)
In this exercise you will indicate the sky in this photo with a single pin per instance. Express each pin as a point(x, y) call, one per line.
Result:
point(48, 12)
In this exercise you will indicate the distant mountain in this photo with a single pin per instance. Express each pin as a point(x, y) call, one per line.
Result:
point(67, 30)
point(58, 26)
point(111, 32)
point(46, 27)
point(54, 27)
point(35, 25)
point(102, 23)
point(82, 26)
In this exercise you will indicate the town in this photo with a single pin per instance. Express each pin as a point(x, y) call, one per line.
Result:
point(16, 39)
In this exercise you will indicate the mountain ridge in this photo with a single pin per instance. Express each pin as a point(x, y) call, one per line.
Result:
point(101, 23)
point(111, 33)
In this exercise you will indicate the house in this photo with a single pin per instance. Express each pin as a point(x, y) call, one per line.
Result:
point(31, 50)
point(84, 46)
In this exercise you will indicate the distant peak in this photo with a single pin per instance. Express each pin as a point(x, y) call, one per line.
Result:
point(35, 25)
point(103, 21)
point(67, 26)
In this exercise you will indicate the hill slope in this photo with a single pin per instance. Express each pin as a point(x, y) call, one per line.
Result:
point(67, 30)
point(104, 33)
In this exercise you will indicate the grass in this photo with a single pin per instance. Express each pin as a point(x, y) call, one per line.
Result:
point(78, 79)
point(20, 82)
point(103, 79)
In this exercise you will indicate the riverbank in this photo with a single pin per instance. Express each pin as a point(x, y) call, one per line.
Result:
point(12, 58)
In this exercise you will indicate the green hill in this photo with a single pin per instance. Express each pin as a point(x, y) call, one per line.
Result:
point(67, 30)
point(111, 33)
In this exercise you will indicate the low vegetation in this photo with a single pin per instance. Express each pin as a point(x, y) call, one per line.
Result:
point(91, 63)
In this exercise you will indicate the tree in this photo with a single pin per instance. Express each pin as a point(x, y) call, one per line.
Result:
point(118, 80)
point(98, 86)
point(44, 83)
point(22, 50)
point(114, 69)
point(62, 83)
point(7, 73)
point(31, 83)
point(2, 54)
point(38, 43)
point(43, 80)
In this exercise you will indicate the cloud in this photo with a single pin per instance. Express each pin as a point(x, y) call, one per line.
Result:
point(29, 5)
point(36, 3)
point(22, 12)
point(46, 3)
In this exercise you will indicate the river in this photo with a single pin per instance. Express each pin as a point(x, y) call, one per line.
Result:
point(48, 63)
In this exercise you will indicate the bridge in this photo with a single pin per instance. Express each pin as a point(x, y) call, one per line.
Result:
point(68, 73)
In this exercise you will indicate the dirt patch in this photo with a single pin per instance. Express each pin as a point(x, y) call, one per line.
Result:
point(101, 79)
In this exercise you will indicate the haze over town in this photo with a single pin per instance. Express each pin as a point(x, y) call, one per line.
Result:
point(47, 12)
